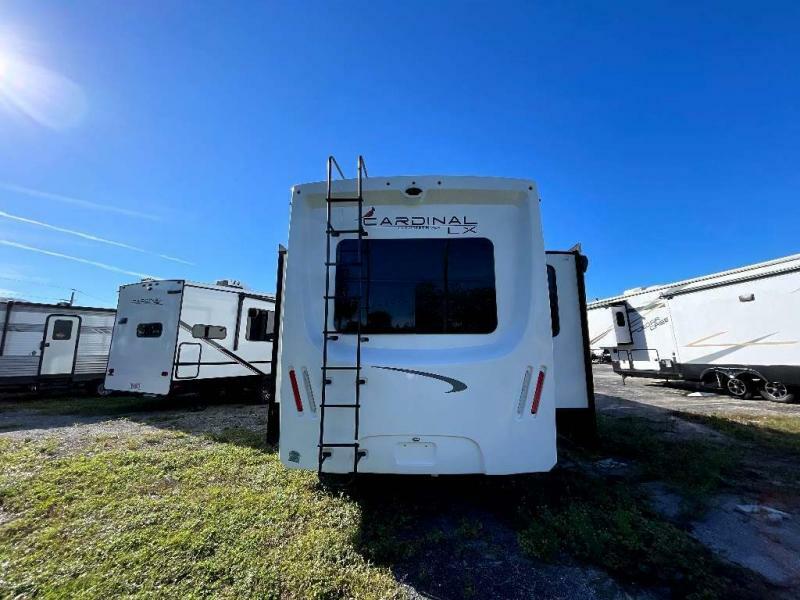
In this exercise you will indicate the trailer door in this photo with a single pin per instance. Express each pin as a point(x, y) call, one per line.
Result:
point(59, 344)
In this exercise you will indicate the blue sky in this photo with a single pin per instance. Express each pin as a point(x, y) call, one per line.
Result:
point(664, 136)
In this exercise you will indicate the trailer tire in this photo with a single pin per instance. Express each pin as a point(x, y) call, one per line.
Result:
point(261, 392)
point(101, 390)
point(738, 388)
point(775, 391)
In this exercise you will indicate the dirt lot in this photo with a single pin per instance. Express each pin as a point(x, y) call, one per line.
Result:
point(681, 496)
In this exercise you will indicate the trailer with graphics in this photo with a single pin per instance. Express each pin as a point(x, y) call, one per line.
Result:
point(736, 331)
point(176, 336)
point(422, 331)
point(45, 346)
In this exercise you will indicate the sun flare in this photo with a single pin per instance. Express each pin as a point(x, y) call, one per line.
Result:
point(40, 93)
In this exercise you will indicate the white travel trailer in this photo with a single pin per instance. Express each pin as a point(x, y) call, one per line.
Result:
point(175, 336)
point(737, 330)
point(415, 331)
point(48, 345)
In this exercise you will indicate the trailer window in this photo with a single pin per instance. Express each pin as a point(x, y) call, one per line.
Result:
point(62, 329)
point(209, 332)
point(149, 330)
point(552, 285)
point(620, 318)
point(416, 286)
point(260, 325)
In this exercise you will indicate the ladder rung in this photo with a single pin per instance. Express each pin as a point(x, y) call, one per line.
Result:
point(337, 200)
point(335, 232)
point(340, 445)
point(341, 405)
point(326, 368)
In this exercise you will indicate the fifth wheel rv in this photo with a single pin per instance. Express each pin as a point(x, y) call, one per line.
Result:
point(175, 336)
point(735, 331)
point(53, 345)
point(416, 332)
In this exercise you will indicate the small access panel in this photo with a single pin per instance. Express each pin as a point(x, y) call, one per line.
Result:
point(59, 345)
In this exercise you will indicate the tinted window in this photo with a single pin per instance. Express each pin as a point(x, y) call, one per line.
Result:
point(620, 319)
point(62, 329)
point(260, 324)
point(209, 332)
point(149, 330)
point(552, 285)
point(416, 286)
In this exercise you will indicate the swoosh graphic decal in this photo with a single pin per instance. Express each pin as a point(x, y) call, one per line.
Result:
point(458, 386)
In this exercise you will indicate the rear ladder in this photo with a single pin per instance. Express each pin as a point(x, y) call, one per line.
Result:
point(326, 446)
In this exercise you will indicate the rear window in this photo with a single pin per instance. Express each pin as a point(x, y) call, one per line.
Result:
point(620, 319)
point(149, 330)
point(425, 286)
point(62, 329)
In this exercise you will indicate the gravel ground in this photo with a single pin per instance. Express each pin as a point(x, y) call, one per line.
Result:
point(74, 432)
point(642, 395)
point(755, 540)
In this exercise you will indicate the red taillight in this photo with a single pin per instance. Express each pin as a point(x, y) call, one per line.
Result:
point(111, 371)
point(537, 394)
point(298, 402)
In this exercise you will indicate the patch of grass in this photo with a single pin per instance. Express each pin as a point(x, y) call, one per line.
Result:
point(697, 468)
point(185, 518)
point(780, 433)
point(609, 525)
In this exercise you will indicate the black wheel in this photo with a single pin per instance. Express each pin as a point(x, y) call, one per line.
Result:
point(101, 390)
point(261, 392)
point(738, 388)
point(775, 391)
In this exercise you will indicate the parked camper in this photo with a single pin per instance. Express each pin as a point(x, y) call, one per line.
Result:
point(416, 332)
point(734, 331)
point(174, 336)
point(53, 345)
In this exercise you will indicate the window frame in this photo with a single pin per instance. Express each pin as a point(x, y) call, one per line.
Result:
point(269, 336)
point(71, 327)
point(143, 330)
point(446, 298)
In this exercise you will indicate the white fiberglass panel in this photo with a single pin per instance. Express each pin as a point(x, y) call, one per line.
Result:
point(452, 399)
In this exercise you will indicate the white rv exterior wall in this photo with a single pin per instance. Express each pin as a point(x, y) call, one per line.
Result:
point(153, 365)
point(412, 423)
